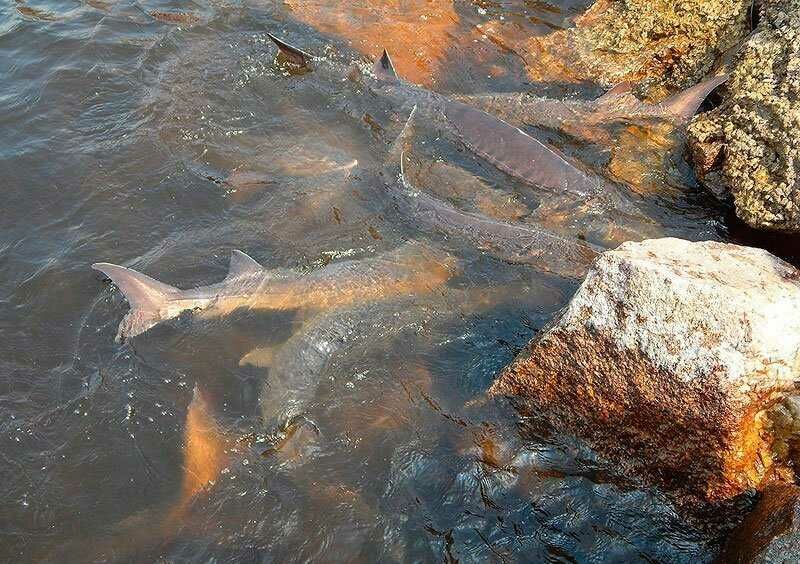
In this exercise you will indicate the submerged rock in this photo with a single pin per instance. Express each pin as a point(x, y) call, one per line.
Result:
point(664, 44)
point(666, 360)
point(418, 32)
point(771, 533)
point(749, 147)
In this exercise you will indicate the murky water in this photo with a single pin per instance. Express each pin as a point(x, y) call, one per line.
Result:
point(162, 136)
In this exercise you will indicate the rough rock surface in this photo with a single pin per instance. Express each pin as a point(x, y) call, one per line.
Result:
point(750, 145)
point(663, 44)
point(665, 361)
point(771, 533)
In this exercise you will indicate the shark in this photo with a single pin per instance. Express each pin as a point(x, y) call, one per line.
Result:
point(297, 365)
point(516, 243)
point(409, 269)
point(644, 141)
point(505, 146)
point(489, 125)
point(205, 449)
point(587, 119)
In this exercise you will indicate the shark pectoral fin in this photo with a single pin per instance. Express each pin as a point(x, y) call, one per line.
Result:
point(146, 296)
point(683, 105)
point(204, 454)
point(242, 265)
point(261, 357)
point(292, 53)
point(384, 68)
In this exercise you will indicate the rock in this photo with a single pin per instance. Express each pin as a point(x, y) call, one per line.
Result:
point(666, 361)
point(771, 533)
point(666, 45)
point(749, 147)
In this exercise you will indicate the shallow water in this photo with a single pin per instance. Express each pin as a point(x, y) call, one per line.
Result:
point(161, 136)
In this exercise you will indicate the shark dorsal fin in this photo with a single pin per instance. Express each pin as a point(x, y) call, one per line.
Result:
point(620, 89)
point(243, 265)
point(384, 69)
point(292, 53)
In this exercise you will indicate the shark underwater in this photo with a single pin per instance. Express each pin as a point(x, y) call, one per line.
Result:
point(644, 141)
point(515, 243)
point(505, 146)
point(488, 124)
point(586, 119)
point(296, 366)
point(411, 268)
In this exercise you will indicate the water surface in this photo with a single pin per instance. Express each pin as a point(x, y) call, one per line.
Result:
point(161, 135)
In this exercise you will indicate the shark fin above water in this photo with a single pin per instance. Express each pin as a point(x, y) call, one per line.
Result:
point(292, 53)
point(242, 264)
point(145, 295)
point(384, 68)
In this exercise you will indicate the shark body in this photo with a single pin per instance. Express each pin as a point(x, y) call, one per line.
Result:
point(587, 119)
point(412, 268)
point(515, 243)
point(504, 145)
point(297, 365)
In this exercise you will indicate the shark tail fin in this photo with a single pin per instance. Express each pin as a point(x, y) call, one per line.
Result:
point(146, 296)
point(684, 104)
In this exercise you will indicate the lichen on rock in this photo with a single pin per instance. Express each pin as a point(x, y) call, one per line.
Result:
point(749, 147)
point(663, 45)
point(667, 360)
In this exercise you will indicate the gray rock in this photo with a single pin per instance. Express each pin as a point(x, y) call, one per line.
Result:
point(667, 359)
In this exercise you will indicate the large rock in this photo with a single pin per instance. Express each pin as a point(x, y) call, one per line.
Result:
point(667, 360)
point(749, 147)
point(771, 533)
point(662, 44)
